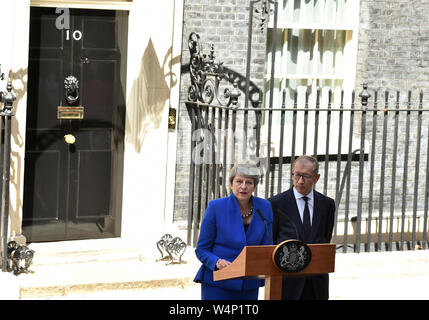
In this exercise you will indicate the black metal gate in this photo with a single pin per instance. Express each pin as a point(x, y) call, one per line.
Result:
point(380, 188)
point(374, 155)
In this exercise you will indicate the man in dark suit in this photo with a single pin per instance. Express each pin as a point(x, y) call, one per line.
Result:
point(309, 215)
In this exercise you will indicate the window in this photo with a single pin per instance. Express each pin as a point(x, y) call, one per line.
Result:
point(316, 48)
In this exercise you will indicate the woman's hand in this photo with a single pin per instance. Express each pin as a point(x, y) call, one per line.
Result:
point(222, 263)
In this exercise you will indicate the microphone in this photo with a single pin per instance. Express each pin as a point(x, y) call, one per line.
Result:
point(290, 220)
point(266, 225)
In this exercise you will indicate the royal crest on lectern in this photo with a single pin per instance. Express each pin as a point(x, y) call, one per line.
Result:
point(292, 256)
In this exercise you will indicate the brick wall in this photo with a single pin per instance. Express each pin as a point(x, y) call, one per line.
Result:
point(393, 54)
point(393, 48)
point(223, 23)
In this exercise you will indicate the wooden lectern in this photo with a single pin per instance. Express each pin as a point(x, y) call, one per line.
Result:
point(257, 261)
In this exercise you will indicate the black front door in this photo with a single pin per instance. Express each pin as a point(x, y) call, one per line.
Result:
point(75, 130)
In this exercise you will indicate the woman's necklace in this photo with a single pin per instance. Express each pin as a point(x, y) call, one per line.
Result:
point(248, 214)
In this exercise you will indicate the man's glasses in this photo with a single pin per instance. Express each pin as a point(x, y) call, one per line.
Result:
point(297, 176)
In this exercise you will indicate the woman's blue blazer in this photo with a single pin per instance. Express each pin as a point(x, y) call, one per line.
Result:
point(222, 236)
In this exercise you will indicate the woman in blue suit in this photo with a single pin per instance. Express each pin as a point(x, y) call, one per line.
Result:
point(230, 224)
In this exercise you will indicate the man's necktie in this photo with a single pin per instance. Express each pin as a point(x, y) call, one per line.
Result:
point(306, 222)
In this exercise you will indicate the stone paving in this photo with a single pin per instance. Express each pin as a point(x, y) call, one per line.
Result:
point(113, 272)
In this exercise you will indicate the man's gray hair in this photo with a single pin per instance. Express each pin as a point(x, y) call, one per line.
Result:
point(246, 169)
point(311, 159)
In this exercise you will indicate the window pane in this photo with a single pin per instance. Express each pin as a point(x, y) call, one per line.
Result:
point(329, 12)
point(310, 44)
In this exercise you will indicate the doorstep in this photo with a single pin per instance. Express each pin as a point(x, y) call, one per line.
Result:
point(70, 267)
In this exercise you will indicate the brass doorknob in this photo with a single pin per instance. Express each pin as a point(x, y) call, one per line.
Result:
point(70, 139)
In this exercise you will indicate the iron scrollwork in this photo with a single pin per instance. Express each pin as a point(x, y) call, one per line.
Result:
point(265, 11)
point(162, 245)
point(207, 75)
point(19, 258)
point(174, 248)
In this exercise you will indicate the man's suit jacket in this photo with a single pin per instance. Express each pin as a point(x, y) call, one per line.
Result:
point(287, 223)
point(223, 236)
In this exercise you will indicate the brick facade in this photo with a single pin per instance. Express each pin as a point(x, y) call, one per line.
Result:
point(392, 55)
point(393, 48)
point(223, 23)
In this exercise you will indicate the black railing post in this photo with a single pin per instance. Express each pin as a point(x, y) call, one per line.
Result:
point(191, 109)
point(364, 95)
point(7, 112)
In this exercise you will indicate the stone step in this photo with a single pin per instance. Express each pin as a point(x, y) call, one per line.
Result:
point(82, 251)
point(67, 268)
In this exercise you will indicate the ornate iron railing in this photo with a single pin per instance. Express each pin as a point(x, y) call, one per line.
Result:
point(365, 163)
